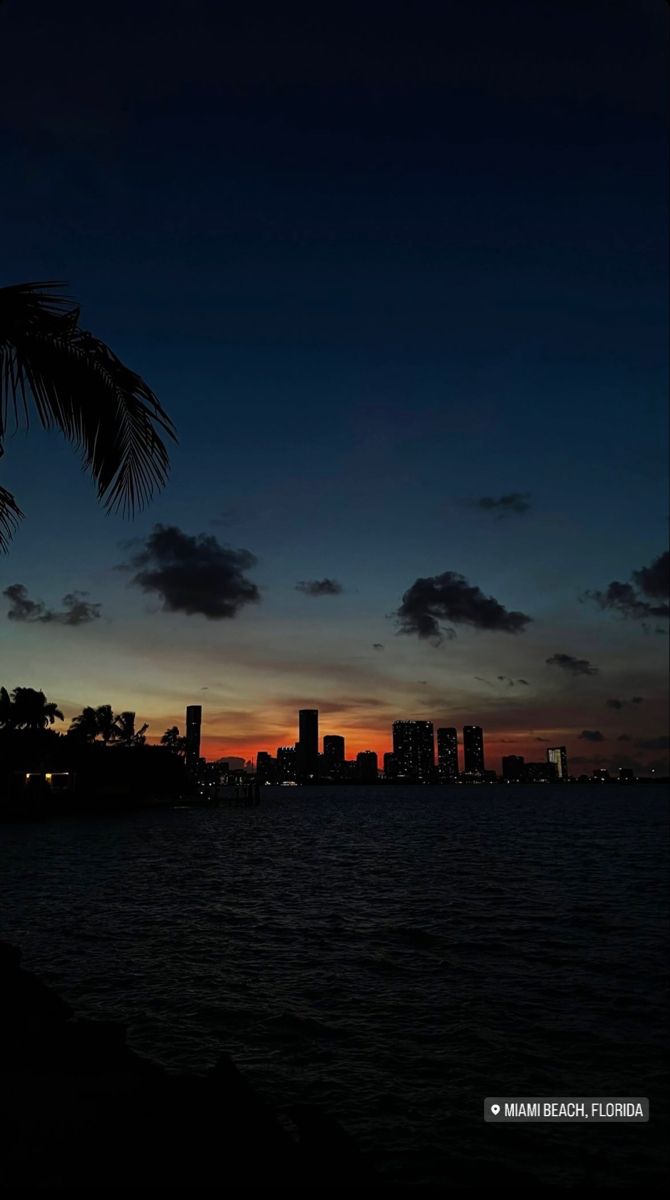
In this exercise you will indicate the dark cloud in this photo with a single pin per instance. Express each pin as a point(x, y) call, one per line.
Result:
point(637, 700)
point(449, 597)
point(615, 703)
point(624, 737)
point(194, 574)
point(628, 600)
point(656, 743)
point(319, 587)
point(377, 645)
point(524, 682)
point(503, 506)
point(654, 580)
point(77, 610)
point(591, 735)
point(506, 679)
point(574, 666)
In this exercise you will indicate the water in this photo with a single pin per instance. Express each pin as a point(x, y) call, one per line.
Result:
point(392, 955)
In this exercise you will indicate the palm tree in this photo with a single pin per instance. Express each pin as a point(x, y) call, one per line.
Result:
point(124, 730)
point(85, 726)
point(30, 709)
point(105, 723)
point(5, 709)
point(173, 741)
point(78, 385)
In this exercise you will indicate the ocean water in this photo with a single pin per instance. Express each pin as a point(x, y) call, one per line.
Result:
point(390, 954)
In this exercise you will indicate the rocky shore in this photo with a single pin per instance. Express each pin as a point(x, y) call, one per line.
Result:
point(80, 1109)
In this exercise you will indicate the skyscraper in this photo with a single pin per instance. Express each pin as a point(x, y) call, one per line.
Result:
point(333, 750)
point(447, 755)
point(286, 764)
point(367, 770)
point(193, 722)
point(414, 750)
point(390, 766)
point(473, 750)
point(307, 747)
point(559, 756)
point(514, 768)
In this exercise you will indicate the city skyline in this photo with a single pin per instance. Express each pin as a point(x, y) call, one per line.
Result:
point(422, 749)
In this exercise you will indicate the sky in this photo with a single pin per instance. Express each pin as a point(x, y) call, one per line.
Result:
point(398, 275)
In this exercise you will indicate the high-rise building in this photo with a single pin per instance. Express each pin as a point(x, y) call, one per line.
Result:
point(541, 772)
point(414, 750)
point(559, 756)
point(286, 764)
point(193, 723)
point(473, 750)
point(333, 749)
point(265, 767)
point(367, 770)
point(390, 766)
point(307, 747)
point(447, 755)
point(513, 768)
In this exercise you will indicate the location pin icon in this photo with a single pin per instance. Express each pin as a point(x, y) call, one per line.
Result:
point(495, 1109)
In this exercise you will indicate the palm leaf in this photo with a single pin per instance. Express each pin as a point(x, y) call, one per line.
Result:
point(10, 515)
point(77, 384)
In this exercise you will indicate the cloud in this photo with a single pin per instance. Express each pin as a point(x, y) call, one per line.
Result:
point(377, 645)
point(637, 700)
point(77, 610)
point(624, 737)
point(615, 703)
point(450, 597)
point(319, 587)
point(194, 574)
point(574, 666)
point(503, 506)
point(651, 582)
point(591, 735)
point(524, 682)
point(656, 743)
point(654, 580)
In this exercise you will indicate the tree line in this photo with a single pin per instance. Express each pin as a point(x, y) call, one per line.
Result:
point(27, 710)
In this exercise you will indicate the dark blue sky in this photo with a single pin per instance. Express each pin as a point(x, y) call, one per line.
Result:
point(378, 262)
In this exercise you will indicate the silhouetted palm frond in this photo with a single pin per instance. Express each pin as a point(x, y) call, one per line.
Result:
point(10, 515)
point(76, 383)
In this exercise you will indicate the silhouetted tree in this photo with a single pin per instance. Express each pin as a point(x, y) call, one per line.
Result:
point(76, 384)
point(173, 740)
point(124, 730)
point(27, 709)
point(85, 726)
point(106, 722)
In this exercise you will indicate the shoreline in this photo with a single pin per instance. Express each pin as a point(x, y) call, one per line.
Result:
point(79, 1108)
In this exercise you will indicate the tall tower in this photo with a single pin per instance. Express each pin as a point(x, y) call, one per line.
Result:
point(333, 748)
point(473, 749)
point(333, 755)
point(414, 750)
point(307, 748)
point(447, 755)
point(193, 723)
point(558, 755)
